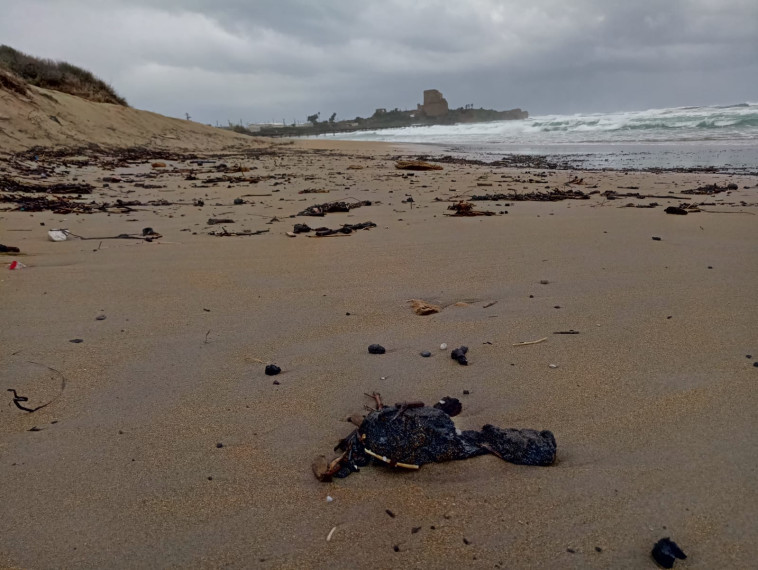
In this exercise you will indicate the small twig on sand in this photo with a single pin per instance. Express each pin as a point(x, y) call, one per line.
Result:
point(206, 336)
point(572, 331)
point(331, 533)
point(489, 448)
point(390, 462)
point(725, 212)
point(488, 305)
point(18, 399)
point(530, 342)
point(377, 398)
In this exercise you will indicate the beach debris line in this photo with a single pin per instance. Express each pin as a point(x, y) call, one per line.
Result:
point(416, 165)
point(320, 210)
point(148, 234)
point(553, 195)
point(467, 209)
point(710, 189)
point(223, 232)
point(345, 229)
point(666, 551)
point(8, 184)
point(411, 434)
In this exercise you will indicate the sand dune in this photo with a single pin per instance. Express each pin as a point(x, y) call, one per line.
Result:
point(54, 119)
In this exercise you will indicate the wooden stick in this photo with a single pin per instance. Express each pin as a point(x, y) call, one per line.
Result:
point(392, 463)
point(725, 212)
point(331, 533)
point(377, 398)
point(530, 342)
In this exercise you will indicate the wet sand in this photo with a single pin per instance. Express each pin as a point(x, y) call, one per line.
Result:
point(653, 404)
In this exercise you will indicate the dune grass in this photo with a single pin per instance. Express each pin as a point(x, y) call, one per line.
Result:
point(58, 76)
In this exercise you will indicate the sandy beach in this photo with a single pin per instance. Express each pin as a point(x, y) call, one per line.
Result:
point(653, 404)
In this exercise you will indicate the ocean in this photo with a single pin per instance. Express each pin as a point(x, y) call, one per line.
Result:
point(720, 137)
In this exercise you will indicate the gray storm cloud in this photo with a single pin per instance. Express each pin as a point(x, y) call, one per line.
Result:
point(285, 59)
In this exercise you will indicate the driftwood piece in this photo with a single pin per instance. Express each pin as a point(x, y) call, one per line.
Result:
point(416, 165)
point(223, 232)
point(331, 207)
point(466, 209)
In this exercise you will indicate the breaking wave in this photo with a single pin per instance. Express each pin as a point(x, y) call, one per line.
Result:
point(736, 123)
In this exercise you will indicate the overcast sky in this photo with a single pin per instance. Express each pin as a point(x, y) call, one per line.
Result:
point(258, 60)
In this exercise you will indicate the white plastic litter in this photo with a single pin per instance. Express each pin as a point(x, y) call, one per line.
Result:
point(58, 235)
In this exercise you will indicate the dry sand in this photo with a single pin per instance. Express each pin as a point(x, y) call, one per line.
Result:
point(53, 119)
point(653, 404)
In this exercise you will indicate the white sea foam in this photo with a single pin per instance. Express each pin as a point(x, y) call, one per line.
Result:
point(728, 123)
point(724, 136)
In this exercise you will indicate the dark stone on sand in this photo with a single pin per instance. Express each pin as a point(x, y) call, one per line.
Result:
point(521, 446)
point(272, 370)
point(376, 349)
point(76, 340)
point(451, 406)
point(666, 551)
point(459, 354)
point(238, 201)
point(219, 445)
point(676, 210)
point(656, 238)
point(732, 186)
point(147, 231)
point(426, 354)
point(100, 318)
point(301, 229)
point(755, 364)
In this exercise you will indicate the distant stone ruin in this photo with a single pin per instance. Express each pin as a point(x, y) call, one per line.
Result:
point(434, 111)
point(435, 105)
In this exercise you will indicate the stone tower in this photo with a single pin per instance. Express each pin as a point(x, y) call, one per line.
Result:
point(435, 105)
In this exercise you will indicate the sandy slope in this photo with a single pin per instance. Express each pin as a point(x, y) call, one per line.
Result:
point(51, 118)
